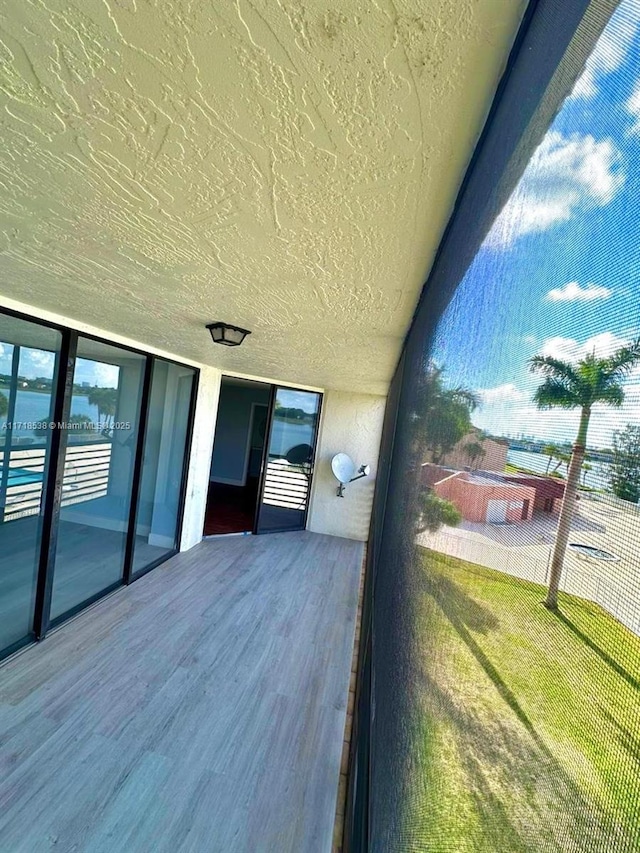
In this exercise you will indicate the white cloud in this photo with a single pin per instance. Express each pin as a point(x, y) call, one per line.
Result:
point(96, 373)
point(569, 349)
point(566, 176)
point(610, 50)
point(607, 57)
point(501, 394)
point(41, 358)
point(106, 375)
point(509, 410)
point(633, 107)
point(572, 292)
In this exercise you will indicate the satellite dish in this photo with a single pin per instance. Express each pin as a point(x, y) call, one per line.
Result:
point(343, 467)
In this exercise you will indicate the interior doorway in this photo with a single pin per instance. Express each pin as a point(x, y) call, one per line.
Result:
point(263, 458)
point(236, 462)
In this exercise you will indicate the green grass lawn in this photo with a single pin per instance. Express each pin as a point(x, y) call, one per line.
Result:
point(526, 726)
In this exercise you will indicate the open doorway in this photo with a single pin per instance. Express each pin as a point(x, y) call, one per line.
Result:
point(234, 479)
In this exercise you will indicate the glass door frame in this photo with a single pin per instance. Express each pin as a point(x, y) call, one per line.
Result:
point(129, 575)
point(265, 455)
point(46, 541)
point(51, 500)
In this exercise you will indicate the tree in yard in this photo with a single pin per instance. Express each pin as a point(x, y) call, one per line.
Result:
point(439, 418)
point(435, 511)
point(562, 459)
point(624, 472)
point(4, 404)
point(81, 423)
point(474, 451)
point(105, 401)
point(580, 386)
point(445, 415)
point(549, 450)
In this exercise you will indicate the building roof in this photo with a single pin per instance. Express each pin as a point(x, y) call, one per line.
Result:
point(484, 479)
point(550, 486)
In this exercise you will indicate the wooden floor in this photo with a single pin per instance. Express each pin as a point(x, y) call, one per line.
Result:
point(201, 709)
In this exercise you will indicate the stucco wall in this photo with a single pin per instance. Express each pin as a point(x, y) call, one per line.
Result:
point(545, 488)
point(204, 425)
point(447, 488)
point(472, 499)
point(351, 423)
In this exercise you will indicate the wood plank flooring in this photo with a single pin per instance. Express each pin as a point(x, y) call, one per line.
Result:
point(201, 709)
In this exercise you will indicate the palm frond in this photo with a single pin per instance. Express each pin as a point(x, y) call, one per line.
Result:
point(613, 395)
point(553, 368)
point(556, 393)
point(463, 395)
point(623, 360)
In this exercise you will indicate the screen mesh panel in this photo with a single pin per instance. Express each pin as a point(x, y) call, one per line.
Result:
point(500, 679)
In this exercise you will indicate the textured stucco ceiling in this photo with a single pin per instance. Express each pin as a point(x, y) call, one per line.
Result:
point(284, 166)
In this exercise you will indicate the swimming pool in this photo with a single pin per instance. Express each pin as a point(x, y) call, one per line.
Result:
point(23, 477)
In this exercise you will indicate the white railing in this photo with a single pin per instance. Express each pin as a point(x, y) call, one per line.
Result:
point(285, 485)
point(86, 476)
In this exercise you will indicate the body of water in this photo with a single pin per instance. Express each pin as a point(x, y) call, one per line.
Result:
point(286, 435)
point(34, 406)
point(596, 478)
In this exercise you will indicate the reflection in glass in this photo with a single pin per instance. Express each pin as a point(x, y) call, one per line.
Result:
point(289, 460)
point(98, 472)
point(28, 365)
point(165, 444)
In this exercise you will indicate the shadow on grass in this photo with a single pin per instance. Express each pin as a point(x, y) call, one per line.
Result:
point(504, 788)
point(604, 656)
point(466, 615)
point(523, 799)
point(628, 740)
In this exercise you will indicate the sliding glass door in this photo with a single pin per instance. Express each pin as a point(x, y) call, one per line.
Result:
point(288, 463)
point(158, 515)
point(100, 446)
point(93, 447)
point(29, 357)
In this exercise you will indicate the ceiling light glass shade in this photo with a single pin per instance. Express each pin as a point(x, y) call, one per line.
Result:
point(228, 336)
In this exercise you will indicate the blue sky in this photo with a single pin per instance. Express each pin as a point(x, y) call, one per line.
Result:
point(40, 362)
point(559, 272)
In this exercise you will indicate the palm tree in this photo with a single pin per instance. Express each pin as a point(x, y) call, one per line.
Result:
point(563, 459)
point(443, 415)
point(549, 450)
point(105, 400)
point(474, 452)
point(581, 385)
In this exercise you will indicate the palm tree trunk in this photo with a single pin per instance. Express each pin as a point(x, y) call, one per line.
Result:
point(566, 512)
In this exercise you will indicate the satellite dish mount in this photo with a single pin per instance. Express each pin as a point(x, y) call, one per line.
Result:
point(344, 469)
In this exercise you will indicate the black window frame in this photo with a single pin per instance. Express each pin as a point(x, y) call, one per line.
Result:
point(62, 390)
